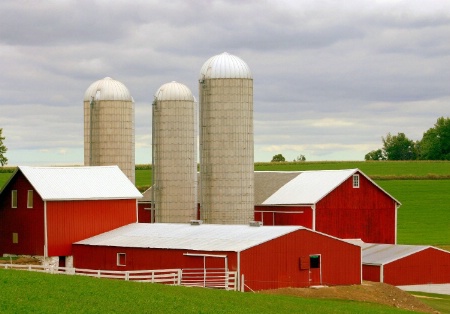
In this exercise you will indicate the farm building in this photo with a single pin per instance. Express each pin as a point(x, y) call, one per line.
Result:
point(404, 264)
point(264, 257)
point(341, 203)
point(43, 210)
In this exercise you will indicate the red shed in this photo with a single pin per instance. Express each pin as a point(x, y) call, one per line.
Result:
point(341, 203)
point(405, 264)
point(265, 257)
point(43, 210)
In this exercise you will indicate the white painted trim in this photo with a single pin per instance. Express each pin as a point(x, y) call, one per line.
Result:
point(313, 207)
point(238, 276)
point(395, 226)
point(45, 231)
point(137, 211)
point(382, 273)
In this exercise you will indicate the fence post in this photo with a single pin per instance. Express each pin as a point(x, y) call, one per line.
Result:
point(180, 274)
point(127, 275)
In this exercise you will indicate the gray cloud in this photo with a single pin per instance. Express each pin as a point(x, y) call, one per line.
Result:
point(330, 78)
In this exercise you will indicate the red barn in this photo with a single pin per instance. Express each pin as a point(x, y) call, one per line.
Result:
point(341, 203)
point(43, 210)
point(405, 264)
point(264, 257)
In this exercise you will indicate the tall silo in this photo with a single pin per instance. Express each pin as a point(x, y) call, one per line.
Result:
point(174, 154)
point(109, 126)
point(226, 141)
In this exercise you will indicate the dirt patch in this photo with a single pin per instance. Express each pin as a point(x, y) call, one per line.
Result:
point(373, 292)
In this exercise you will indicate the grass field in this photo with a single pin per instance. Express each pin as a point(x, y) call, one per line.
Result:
point(27, 292)
point(439, 302)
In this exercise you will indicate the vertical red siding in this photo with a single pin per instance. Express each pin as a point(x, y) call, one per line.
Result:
point(102, 257)
point(144, 215)
point(281, 218)
point(28, 223)
point(365, 213)
point(275, 264)
point(72, 221)
point(371, 273)
point(428, 266)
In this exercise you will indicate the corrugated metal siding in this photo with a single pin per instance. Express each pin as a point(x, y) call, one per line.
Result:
point(371, 273)
point(71, 221)
point(28, 223)
point(365, 212)
point(282, 218)
point(425, 267)
point(276, 264)
point(206, 237)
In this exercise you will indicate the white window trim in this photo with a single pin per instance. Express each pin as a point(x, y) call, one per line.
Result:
point(355, 181)
point(118, 259)
point(28, 199)
point(13, 198)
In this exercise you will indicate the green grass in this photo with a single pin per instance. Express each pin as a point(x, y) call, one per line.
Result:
point(439, 302)
point(424, 217)
point(26, 292)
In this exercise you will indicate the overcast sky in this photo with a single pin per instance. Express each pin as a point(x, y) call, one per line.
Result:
point(330, 77)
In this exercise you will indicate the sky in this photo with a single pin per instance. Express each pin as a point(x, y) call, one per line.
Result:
point(331, 78)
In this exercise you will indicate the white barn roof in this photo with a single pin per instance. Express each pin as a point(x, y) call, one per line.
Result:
point(381, 254)
point(309, 187)
point(204, 237)
point(80, 183)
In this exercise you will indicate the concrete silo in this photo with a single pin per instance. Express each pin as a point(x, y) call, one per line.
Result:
point(174, 145)
point(109, 126)
point(226, 141)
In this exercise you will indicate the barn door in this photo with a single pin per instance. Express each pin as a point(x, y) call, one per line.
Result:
point(213, 274)
point(315, 270)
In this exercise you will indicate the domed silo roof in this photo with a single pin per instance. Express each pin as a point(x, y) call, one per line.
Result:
point(225, 65)
point(174, 91)
point(107, 89)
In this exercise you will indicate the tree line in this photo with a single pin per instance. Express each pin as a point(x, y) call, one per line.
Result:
point(434, 145)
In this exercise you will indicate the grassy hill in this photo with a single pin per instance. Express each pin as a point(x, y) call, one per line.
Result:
point(27, 292)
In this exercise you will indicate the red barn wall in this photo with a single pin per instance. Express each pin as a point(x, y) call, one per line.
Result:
point(276, 264)
point(144, 215)
point(428, 266)
point(72, 221)
point(365, 213)
point(371, 273)
point(104, 257)
point(28, 223)
point(284, 219)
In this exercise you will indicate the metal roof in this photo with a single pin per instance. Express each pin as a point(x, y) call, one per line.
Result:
point(107, 89)
point(309, 187)
point(80, 183)
point(225, 65)
point(293, 187)
point(204, 237)
point(381, 254)
point(174, 91)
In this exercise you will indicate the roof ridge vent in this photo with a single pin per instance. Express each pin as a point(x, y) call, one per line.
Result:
point(255, 223)
point(196, 222)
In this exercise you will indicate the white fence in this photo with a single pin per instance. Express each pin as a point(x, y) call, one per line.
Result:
point(208, 278)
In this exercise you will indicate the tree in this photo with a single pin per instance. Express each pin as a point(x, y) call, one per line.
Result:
point(278, 158)
point(435, 143)
point(3, 149)
point(375, 155)
point(300, 158)
point(399, 147)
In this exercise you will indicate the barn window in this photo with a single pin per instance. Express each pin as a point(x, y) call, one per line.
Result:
point(121, 259)
point(15, 237)
point(30, 199)
point(14, 199)
point(356, 180)
point(314, 261)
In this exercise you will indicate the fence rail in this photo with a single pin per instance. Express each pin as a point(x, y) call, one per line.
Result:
point(208, 278)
